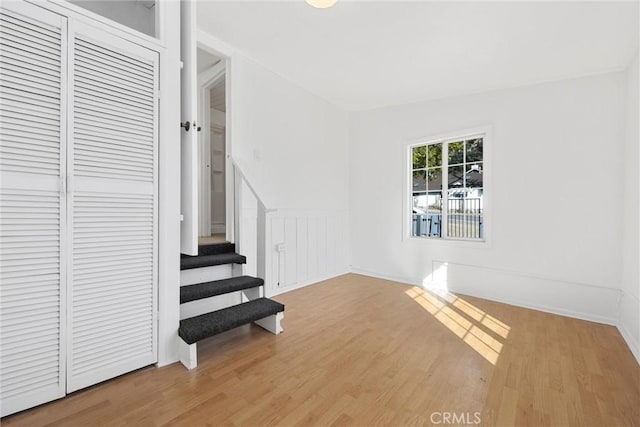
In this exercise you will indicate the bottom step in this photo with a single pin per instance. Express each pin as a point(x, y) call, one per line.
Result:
point(206, 325)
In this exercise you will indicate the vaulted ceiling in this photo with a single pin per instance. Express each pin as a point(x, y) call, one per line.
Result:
point(367, 54)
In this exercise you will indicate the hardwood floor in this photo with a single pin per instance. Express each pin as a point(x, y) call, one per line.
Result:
point(364, 351)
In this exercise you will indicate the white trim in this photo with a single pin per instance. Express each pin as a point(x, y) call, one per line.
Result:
point(515, 302)
point(275, 290)
point(169, 185)
point(210, 76)
point(634, 347)
point(65, 203)
point(631, 341)
point(79, 13)
point(486, 132)
point(213, 45)
point(546, 308)
point(230, 196)
point(204, 158)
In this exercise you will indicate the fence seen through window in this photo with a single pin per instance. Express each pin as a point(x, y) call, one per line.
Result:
point(447, 194)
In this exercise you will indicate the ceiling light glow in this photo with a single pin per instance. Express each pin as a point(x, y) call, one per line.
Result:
point(321, 4)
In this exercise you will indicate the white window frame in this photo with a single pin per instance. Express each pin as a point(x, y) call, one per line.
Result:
point(484, 132)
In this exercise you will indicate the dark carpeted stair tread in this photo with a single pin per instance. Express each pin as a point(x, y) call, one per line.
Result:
point(187, 262)
point(197, 328)
point(218, 287)
point(216, 248)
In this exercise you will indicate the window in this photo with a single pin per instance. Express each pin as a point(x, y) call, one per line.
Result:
point(447, 189)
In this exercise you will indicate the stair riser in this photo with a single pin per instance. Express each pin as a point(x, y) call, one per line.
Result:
point(206, 274)
point(218, 302)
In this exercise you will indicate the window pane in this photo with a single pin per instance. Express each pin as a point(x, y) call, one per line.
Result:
point(434, 214)
point(434, 201)
point(474, 175)
point(465, 215)
point(466, 200)
point(435, 179)
point(419, 202)
point(419, 157)
point(427, 214)
point(418, 216)
point(456, 177)
point(419, 180)
point(435, 155)
point(474, 150)
point(456, 152)
point(465, 226)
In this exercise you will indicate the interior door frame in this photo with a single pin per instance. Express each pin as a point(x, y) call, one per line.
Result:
point(206, 80)
point(223, 51)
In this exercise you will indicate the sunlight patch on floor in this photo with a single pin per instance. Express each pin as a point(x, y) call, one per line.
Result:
point(471, 324)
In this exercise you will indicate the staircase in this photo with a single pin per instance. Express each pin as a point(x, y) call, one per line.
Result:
point(215, 297)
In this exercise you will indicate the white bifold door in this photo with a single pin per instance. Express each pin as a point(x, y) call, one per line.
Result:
point(112, 206)
point(78, 206)
point(32, 206)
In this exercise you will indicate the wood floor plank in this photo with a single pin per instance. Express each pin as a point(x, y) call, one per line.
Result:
point(359, 351)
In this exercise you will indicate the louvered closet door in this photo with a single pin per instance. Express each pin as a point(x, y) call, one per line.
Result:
point(32, 216)
point(113, 207)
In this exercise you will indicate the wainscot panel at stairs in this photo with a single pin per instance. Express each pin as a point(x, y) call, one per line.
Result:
point(215, 297)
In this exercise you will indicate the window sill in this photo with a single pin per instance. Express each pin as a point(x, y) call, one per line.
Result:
point(459, 243)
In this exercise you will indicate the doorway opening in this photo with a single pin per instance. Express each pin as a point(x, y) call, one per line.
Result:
point(212, 150)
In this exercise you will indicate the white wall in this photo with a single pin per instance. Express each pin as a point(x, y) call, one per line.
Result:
point(556, 240)
point(133, 14)
point(292, 143)
point(630, 303)
point(293, 148)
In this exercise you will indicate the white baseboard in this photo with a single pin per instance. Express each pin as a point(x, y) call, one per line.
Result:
point(599, 295)
point(629, 323)
point(282, 290)
point(631, 343)
point(606, 320)
point(401, 280)
point(164, 363)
